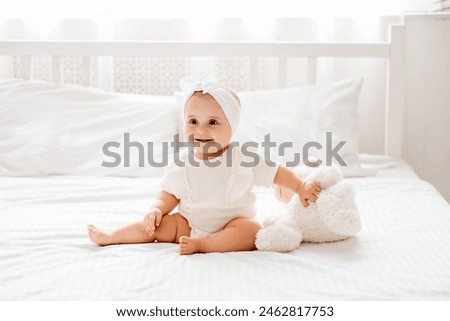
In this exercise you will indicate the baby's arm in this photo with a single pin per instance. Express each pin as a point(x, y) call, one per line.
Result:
point(163, 204)
point(306, 191)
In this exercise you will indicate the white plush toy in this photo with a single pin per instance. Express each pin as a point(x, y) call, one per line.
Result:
point(333, 217)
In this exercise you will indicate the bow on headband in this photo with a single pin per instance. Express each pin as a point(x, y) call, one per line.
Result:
point(189, 85)
point(211, 85)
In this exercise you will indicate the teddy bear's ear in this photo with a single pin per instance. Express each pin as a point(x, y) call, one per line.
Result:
point(326, 175)
point(303, 171)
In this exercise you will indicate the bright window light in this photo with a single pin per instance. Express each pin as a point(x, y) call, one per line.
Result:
point(208, 9)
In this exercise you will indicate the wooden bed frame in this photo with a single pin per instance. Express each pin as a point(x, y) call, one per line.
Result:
point(393, 51)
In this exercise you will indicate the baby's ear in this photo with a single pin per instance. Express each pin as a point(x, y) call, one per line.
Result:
point(283, 194)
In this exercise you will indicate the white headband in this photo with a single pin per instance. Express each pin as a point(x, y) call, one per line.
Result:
point(211, 85)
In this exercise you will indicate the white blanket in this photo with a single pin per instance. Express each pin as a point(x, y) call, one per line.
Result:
point(401, 253)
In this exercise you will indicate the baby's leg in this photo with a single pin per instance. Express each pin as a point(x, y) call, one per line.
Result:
point(133, 233)
point(172, 227)
point(238, 235)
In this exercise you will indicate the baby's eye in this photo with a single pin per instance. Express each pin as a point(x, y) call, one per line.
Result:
point(213, 122)
point(193, 121)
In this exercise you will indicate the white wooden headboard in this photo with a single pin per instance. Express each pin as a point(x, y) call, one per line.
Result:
point(393, 51)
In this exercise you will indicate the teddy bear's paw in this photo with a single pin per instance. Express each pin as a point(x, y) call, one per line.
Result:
point(278, 238)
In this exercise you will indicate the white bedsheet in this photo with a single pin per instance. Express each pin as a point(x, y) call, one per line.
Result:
point(402, 252)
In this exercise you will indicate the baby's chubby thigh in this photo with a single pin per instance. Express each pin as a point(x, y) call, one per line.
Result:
point(242, 231)
point(171, 228)
point(247, 224)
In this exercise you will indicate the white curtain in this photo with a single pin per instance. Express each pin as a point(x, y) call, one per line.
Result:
point(209, 8)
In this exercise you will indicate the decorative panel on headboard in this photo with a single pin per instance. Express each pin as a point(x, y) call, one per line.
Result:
point(149, 75)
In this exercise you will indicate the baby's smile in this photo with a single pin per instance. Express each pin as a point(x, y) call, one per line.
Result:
point(203, 140)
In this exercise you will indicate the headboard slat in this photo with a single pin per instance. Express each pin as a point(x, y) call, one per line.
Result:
point(87, 71)
point(27, 67)
point(57, 70)
point(395, 105)
point(282, 72)
point(253, 72)
point(312, 70)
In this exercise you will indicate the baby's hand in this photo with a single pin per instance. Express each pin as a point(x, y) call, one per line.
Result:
point(309, 191)
point(152, 220)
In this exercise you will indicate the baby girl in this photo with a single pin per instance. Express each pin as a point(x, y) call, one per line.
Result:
point(210, 188)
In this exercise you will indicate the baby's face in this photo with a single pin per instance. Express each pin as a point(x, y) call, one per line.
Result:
point(206, 124)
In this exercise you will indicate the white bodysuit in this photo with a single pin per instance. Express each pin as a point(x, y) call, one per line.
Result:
point(210, 197)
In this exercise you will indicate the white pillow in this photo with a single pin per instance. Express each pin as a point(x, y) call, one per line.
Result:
point(62, 129)
point(304, 114)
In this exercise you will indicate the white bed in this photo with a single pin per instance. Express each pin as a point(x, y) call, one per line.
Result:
point(401, 252)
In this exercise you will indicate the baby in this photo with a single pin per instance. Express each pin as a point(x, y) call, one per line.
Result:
point(212, 190)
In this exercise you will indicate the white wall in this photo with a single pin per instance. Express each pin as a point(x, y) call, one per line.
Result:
point(427, 127)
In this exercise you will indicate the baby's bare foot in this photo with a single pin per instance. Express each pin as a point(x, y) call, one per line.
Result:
point(188, 245)
point(99, 237)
